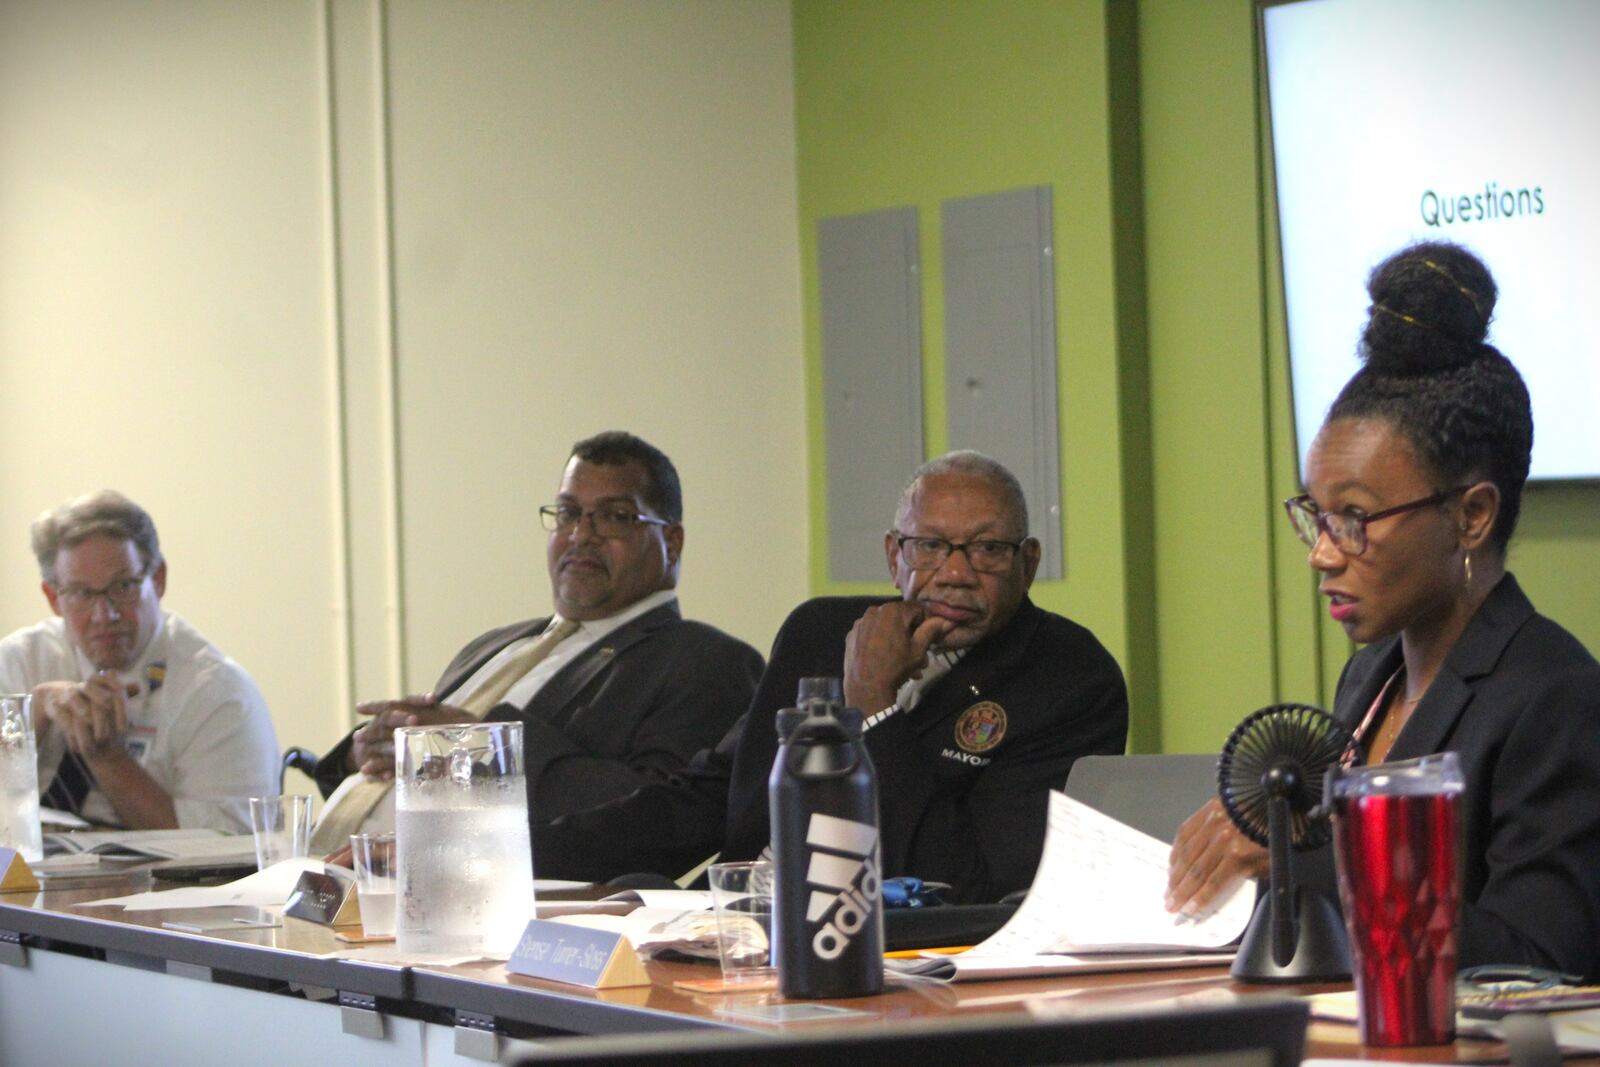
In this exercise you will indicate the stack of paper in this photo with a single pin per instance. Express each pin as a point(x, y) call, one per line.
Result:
point(1098, 904)
point(153, 845)
point(268, 888)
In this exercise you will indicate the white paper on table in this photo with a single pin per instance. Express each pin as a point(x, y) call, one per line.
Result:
point(643, 926)
point(1344, 1006)
point(388, 954)
point(551, 885)
point(75, 863)
point(194, 844)
point(1101, 887)
point(64, 820)
point(264, 889)
point(669, 902)
point(977, 968)
point(550, 909)
point(1578, 1029)
point(676, 899)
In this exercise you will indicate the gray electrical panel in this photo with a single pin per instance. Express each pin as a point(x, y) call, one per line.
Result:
point(869, 281)
point(1000, 346)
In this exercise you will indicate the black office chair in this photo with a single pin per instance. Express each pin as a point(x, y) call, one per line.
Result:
point(297, 759)
point(1264, 1032)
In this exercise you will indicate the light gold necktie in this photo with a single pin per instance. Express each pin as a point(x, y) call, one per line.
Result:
point(515, 668)
point(357, 795)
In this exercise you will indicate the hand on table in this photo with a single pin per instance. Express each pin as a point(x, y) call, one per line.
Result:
point(1209, 857)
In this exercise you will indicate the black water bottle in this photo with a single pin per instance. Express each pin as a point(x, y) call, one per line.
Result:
point(827, 908)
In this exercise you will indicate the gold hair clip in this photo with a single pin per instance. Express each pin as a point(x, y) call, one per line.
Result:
point(1477, 302)
point(1401, 316)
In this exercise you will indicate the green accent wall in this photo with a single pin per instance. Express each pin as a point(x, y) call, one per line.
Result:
point(1176, 445)
point(905, 102)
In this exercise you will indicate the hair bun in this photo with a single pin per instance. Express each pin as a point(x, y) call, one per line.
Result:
point(1431, 307)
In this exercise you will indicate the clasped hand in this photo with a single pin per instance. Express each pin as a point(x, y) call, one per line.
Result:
point(372, 747)
point(92, 715)
point(887, 647)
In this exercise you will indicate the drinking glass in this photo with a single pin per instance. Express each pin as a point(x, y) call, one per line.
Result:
point(742, 896)
point(282, 828)
point(373, 858)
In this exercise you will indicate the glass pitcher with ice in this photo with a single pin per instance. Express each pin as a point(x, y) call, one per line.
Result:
point(19, 778)
point(461, 839)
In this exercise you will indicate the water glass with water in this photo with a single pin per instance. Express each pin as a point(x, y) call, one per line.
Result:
point(19, 778)
point(373, 855)
point(461, 830)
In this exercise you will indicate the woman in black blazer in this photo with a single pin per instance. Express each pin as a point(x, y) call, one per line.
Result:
point(1414, 487)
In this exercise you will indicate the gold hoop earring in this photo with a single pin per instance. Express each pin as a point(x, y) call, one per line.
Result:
point(1467, 563)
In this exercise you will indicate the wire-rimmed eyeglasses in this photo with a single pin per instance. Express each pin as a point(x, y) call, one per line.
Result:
point(1348, 531)
point(608, 520)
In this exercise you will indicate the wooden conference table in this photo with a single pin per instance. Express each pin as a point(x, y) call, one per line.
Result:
point(79, 983)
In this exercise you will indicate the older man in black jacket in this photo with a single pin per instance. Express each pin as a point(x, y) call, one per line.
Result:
point(979, 702)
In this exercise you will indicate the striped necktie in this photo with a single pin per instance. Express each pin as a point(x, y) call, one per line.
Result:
point(71, 784)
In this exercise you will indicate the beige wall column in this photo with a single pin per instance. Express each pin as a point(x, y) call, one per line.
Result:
point(331, 286)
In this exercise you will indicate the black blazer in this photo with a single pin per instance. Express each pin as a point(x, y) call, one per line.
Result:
point(1518, 700)
point(632, 709)
point(975, 819)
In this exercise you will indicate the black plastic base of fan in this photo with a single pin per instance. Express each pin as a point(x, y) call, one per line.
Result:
point(1321, 954)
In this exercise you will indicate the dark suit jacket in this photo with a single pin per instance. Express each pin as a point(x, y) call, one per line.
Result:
point(973, 819)
point(1518, 700)
point(632, 709)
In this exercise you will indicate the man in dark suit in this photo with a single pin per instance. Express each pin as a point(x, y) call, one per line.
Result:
point(977, 701)
point(614, 691)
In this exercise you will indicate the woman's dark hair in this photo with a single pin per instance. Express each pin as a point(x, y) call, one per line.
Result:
point(1430, 374)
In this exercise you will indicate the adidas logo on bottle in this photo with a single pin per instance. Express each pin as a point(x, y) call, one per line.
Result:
point(844, 880)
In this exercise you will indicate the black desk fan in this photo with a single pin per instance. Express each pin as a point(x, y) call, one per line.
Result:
point(1270, 781)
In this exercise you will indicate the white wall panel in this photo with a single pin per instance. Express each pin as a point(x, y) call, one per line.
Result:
point(162, 312)
point(594, 228)
point(332, 287)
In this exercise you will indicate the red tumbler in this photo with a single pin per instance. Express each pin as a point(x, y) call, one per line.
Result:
point(1397, 845)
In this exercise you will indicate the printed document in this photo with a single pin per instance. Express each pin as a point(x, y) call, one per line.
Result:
point(1101, 888)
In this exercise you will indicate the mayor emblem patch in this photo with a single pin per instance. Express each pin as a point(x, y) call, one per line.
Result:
point(981, 727)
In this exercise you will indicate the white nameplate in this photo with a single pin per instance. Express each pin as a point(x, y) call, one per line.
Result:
point(577, 955)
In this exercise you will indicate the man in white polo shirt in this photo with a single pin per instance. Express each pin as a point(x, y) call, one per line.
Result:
point(614, 691)
point(141, 721)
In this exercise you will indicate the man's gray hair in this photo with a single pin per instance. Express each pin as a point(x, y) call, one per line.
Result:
point(976, 465)
point(106, 512)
